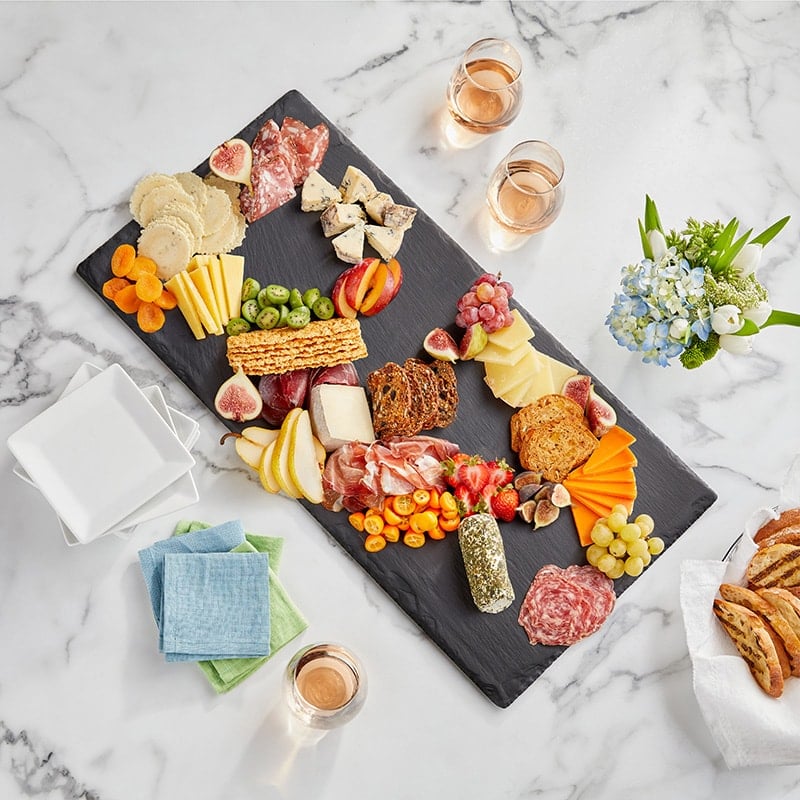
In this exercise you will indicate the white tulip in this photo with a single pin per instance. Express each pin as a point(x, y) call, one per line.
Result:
point(658, 244)
point(747, 259)
point(739, 345)
point(758, 314)
point(678, 329)
point(725, 319)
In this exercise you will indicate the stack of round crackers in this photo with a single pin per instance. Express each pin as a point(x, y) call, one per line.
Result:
point(184, 214)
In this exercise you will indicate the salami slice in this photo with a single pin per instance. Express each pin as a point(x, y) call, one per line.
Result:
point(563, 606)
point(291, 127)
point(312, 144)
point(272, 187)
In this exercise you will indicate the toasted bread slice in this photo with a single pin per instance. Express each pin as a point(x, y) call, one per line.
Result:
point(787, 603)
point(751, 638)
point(788, 535)
point(789, 517)
point(547, 408)
point(776, 565)
point(557, 447)
point(759, 605)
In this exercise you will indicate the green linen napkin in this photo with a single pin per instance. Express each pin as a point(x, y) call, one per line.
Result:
point(286, 621)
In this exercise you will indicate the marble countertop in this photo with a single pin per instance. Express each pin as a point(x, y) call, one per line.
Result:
point(696, 104)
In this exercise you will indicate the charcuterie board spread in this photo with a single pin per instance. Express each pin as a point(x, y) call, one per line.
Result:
point(367, 367)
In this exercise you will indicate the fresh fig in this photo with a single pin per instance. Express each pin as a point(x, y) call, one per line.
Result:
point(440, 344)
point(527, 510)
point(528, 492)
point(545, 514)
point(560, 496)
point(473, 342)
point(238, 399)
point(233, 161)
point(577, 388)
point(526, 478)
point(599, 414)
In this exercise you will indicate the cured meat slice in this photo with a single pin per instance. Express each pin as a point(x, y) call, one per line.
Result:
point(272, 187)
point(563, 606)
point(311, 146)
point(292, 127)
point(267, 139)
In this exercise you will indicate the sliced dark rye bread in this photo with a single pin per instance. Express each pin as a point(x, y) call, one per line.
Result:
point(547, 408)
point(775, 565)
point(749, 634)
point(390, 397)
point(774, 618)
point(446, 394)
point(556, 448)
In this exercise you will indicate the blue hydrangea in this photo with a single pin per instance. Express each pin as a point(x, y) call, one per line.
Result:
point(654, 294)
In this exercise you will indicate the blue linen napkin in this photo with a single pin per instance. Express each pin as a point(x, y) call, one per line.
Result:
point(215, 605)
point(219, 539)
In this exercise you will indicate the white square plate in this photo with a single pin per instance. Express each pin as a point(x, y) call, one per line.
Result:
point(99, 453)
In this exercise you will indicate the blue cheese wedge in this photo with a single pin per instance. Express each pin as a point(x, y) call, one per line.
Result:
point(376, 206)
point(356, 186)
point(318, 193)
point(349, 246)
point(386, 241)
point(340, 414)
point(341, 216)
point(399, 217)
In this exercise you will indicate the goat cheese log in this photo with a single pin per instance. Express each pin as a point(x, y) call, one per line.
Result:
point(485, 563)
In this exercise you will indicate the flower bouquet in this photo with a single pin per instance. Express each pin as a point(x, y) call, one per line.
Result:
point(694, 292)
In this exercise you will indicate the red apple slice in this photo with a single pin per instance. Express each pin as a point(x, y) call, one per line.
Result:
point(343, 308)
point(380, 293)
point(358, 280)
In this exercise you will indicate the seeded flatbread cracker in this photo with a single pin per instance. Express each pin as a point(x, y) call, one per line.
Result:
point(169, 243)
point(193, 185)
point(155, 200)
point(145, 186)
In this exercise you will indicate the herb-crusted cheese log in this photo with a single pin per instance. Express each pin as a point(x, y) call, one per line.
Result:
point(485, 563)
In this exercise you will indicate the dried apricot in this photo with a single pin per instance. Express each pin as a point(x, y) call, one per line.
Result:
point(148, 288)
point(113, 285)
point(126, 299)
point(166, 300)
point(150, 317)
point(122, 260)
point(142, 265)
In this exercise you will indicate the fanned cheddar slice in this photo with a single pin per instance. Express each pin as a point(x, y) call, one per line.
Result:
point(602, 507)
point(584, 519)
point(612, 444)
point(605, 498)
point(621, 479)
point(614, 466)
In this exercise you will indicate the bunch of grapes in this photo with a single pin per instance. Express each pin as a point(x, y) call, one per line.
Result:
point(486, 301)
point(620, 547)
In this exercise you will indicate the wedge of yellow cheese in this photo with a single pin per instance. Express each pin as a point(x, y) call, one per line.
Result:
point(186, 306)
point(232, 268)
point(514, 335)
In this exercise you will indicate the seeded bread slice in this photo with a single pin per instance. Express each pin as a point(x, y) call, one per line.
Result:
point(547, 408)
point(446, 393)
point(390, 397)
point(556, 448)
point(749, 634)
point(424, 391)
point(776, 620)
point(775, 565)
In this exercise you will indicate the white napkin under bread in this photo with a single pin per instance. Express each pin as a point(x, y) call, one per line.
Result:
point(749, 727)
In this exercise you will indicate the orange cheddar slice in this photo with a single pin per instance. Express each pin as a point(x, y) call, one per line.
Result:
point(600, 509)
point(584, 520)
point(602, 498)
point(619, 464)
point(616, 441)
point(601, 488)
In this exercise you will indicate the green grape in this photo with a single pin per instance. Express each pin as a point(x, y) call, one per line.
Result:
point(250, 310)
point(236, 326)
point(250, 289)
point(630, 532)
point(268, 318)
point(638, 548)
point(620, 508)
point(310, 296)
point(634, 566)
point(617, 521)
point(277, 294)
point(606, 562)
point(646, 523)
point(617, 570)
point(647, 558)
point(618, 548)
point(655, 545)
point(593, 553)
point(602, 535)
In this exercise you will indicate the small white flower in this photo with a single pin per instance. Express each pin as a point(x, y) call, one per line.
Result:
point(678, 329)
point(758, 313)
point(747, 259)
point(739, 345)
point(658, 244)
point(725, 319)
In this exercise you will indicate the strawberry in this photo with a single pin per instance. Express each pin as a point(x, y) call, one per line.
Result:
point(500, 473)
point(464, 499)
point(473, 474)
point(505, 502)
point(450, 467)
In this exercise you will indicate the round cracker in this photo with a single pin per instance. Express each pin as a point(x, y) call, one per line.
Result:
point(217, 210)
point(193, 185)
point(168, 242)
point(155, 200)
point(222, 240)
point(144, 186)
point(229, 187)
point(187, 214)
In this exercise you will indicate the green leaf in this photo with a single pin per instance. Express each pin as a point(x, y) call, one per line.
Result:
point(782, 318)
point(722, 242)
point(748, 329)
point(648, 250)
point(770, 233)
point(651, 218)
point(725, 259)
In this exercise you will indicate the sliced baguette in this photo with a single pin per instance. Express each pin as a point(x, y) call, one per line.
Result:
point(788, 535)
point(787, 603)
point(789, 517)
point(749, 634)
point(775, 565)
point(787, 638)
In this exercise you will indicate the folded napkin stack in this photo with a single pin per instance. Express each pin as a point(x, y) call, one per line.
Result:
point(217, 600)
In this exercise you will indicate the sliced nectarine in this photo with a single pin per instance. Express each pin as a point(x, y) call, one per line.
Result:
point(380, 292)
point(358, 279)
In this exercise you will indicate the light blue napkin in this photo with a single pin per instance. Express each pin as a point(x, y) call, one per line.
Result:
point(219, 539)
point(215, 605)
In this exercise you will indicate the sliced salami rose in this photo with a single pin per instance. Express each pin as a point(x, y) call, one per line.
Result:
point(563, 606)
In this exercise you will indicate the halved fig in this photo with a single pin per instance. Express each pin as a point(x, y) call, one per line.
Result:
point(233, 161)
point(238, 398)
point(440, 344)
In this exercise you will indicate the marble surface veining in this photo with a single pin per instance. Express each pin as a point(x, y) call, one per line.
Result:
point(695, 103)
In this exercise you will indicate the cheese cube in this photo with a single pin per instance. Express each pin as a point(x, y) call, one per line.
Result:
point(340, 414)
point(356, 186)
point(341, 216)
point(318, 194)
point(349, 246)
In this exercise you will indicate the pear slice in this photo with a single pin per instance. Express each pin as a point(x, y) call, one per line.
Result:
point(280, 455)
point(249, 452)
point(321, 454)
point(265, 473)
point(303, 464)
point(259, 435)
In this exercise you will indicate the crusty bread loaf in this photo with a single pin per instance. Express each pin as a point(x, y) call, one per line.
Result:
point(556, 448)
point(786, 603)
point(789, 517)
point(547, 408)
point(775, 565)
point(788, 535)
point(749, 634)
point(775, 619)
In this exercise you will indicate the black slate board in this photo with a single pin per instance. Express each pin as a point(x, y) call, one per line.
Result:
point(287, 247)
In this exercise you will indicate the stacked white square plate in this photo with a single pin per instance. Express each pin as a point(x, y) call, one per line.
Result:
point(107, 455)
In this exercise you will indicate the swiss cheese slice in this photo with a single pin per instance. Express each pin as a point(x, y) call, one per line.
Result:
point(541, 383)
point(499, 355)
point(613, 443)
point(186, 306)
point(584, 519)
point(232, 277)
point(514, 335)
point(514, 397)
